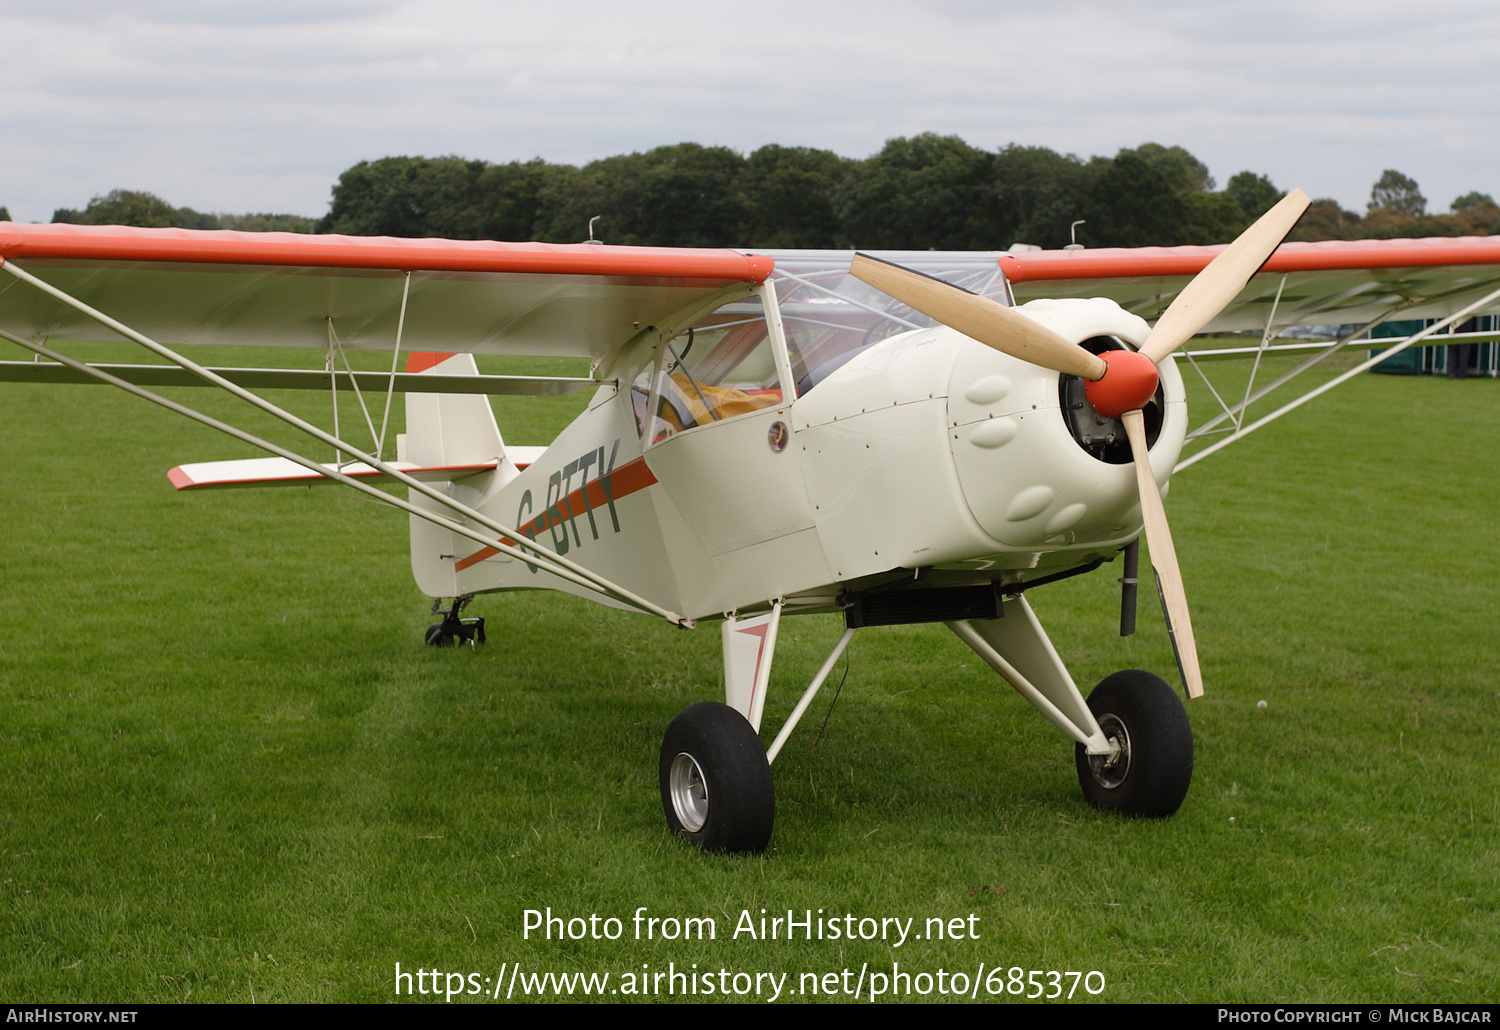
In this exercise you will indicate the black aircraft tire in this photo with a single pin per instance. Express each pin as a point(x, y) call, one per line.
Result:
point(716, 787)
point(437, 638)
point(1152, 774)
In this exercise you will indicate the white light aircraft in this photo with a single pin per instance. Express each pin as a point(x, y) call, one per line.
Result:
point(890, 437)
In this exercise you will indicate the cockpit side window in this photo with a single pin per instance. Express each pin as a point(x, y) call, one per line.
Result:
point(721, 367)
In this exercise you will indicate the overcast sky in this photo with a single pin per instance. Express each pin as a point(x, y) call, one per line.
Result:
point(258, 105)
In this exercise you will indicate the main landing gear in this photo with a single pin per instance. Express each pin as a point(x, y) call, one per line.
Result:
point(1134, 745)
point(716, 787)
point(1149, 771)
point(718, 793)
point(453, 629)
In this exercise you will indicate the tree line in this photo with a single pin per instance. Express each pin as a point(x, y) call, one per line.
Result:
point(923, 192)
point(917, 193)
point(134, 207)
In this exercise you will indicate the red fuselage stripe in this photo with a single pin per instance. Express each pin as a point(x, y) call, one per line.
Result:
point(624, 481)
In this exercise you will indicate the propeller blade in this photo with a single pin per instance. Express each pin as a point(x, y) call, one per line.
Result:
point(1226, 275)
point(1164, 555)
point(980, 318)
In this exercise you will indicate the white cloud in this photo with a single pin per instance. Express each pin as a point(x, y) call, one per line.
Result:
point(260, 106)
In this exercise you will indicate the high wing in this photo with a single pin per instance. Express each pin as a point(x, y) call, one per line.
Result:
point(286, 289)
point(1333, 282)
point(322, 292)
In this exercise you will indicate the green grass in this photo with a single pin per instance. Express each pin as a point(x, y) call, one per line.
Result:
point(233, 771)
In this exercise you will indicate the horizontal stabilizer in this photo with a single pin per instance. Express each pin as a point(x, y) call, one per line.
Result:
point(284, 472)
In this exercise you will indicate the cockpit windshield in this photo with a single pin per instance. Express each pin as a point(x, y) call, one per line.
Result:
point(723, 365)
point(830, 316)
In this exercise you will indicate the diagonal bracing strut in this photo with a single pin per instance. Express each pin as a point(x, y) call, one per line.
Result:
point(1396, 348)
point(548, 560)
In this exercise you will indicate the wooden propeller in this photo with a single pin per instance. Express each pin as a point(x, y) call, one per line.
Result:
point(1121, 383)
point(1224, 277)
point(978, 318)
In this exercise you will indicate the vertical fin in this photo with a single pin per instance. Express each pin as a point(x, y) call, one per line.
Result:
point(446, 429)
point(449, 429)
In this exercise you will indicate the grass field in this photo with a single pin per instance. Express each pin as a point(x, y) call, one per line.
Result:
point(234, 773)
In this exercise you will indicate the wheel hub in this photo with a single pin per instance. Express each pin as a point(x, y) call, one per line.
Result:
point(689, 792)
point(1110, 770)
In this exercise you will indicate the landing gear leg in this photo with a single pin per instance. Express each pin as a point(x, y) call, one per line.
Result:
point(453, 628)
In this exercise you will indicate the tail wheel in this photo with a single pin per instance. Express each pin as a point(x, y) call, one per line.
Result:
point(716, 787)
point(1152, 766)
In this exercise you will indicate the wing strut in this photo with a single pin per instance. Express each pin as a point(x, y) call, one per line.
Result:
point(1236, 414)
point(390, 389)
point(1458, 316)
point(547, 560)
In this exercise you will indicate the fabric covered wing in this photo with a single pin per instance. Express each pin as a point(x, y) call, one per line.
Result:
point(1327, 283)
point(282, 289)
